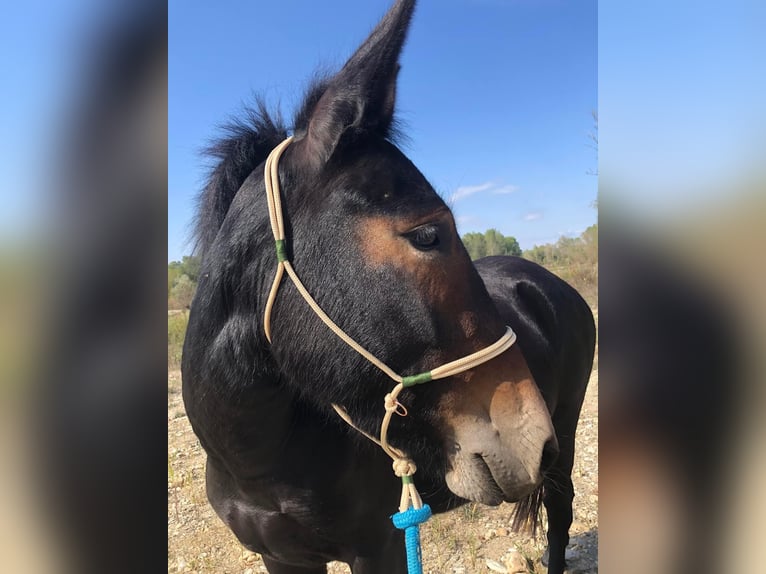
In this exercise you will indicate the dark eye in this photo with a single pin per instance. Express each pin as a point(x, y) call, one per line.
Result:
point(425, 238)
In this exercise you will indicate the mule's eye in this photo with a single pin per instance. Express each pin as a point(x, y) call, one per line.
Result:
point(425, 237)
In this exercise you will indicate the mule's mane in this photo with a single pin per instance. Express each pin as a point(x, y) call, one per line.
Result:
point(245, 143)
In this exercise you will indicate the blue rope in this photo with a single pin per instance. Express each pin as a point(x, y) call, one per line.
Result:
point(409, 521)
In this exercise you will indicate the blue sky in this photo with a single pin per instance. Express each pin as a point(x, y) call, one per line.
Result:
point(682, 88)
point(38, 64)
point(496, 95)
point(496, 98)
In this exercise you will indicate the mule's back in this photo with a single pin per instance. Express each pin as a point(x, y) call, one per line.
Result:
point(555, 325)
point(557, 336)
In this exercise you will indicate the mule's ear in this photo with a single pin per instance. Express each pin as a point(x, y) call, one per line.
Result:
point(363, 93)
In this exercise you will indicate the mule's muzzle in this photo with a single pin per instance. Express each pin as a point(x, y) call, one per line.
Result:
point(501, 446)
point(502, 472)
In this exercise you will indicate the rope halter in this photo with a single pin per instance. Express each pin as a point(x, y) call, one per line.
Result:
point(403, 466)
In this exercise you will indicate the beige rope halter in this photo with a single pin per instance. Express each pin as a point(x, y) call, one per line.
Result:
point(404, 467)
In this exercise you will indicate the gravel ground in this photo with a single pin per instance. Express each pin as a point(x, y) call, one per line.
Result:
point(470, 540)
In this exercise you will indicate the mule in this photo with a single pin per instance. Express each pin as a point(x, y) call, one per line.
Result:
point(378, 250)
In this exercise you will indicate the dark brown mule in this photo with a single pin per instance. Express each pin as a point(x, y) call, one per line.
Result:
point(378, 250)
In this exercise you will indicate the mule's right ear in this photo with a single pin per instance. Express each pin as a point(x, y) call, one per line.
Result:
point(363, 93)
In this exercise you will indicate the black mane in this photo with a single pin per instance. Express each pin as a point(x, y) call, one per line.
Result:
point(246, 143)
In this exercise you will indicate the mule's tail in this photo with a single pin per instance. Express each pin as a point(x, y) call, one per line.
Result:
point(526, 515)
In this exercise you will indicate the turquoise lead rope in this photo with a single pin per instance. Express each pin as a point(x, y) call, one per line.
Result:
point(410, 521)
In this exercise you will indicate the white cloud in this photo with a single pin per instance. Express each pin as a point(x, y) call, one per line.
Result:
point(533, 216)
point(467, 190)
point(505, 189)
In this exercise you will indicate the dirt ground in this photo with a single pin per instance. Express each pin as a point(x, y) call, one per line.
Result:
point(470, 540)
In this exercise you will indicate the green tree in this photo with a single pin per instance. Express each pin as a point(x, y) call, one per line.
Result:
point(545, 255)
point(512, 247)
point(475, 244)
point(182, 293)
point(590, 238)
point(574, 259)
point(495, 242)
point(174, 272)
point(491, 242)
point(190, 266)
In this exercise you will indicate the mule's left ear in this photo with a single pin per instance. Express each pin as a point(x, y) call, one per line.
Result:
point(363, 93)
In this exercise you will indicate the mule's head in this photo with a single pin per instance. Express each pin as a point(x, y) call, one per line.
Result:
point(378, 249)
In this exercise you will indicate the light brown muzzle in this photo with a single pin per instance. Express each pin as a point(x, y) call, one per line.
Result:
point(500, 438)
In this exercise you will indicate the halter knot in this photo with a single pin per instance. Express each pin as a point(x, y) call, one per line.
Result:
point(392, 405)
point(404, 467)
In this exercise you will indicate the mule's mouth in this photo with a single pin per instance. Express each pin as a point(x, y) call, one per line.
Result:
point(472, 477)
point(489, 483)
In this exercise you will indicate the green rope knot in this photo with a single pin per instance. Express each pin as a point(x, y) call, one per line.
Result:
point(281, 250)
point(406, 479)
point(413, 380)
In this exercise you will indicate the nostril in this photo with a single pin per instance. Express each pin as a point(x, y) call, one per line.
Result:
point(550, 454)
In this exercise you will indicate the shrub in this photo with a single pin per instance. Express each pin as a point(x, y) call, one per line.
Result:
point(177, 323)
